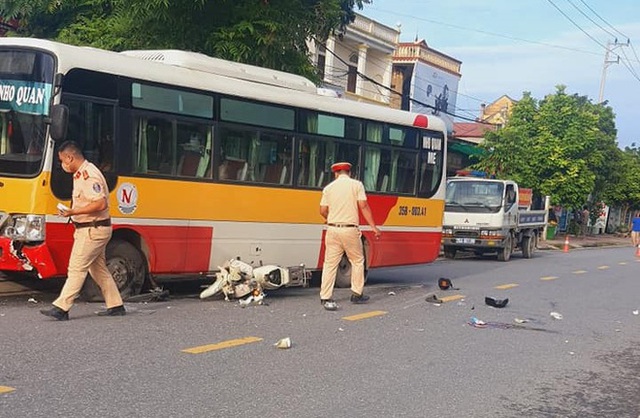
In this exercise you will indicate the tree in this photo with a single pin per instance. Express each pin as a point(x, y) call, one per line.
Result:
point(266, 33)
point(559, 146)
point(623, 187)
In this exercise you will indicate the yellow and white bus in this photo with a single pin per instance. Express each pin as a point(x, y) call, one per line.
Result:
point(207, 160)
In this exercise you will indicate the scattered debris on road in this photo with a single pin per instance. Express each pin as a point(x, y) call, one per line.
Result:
point(257, 298)
point(445, 284)
point(32, 300)
point(432, 298)
point(284, 343)
point(555, 315)
point(496, 303)
point(157, 294)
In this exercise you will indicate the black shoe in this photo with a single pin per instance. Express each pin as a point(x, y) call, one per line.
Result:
point(115, 311)
point(359, 298)
point(56, 313)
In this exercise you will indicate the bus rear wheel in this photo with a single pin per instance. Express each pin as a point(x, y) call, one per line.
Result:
point(343, 275)
point(127, 266)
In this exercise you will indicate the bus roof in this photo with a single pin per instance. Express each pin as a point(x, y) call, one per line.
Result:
point(128, 65)
point(211, 65)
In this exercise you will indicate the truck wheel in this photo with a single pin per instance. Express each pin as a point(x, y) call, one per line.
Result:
point(128, 268)
point(450, 252)
point(504, 254)
point(528, 246)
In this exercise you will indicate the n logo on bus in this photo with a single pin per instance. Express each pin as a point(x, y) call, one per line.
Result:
point(127, 198)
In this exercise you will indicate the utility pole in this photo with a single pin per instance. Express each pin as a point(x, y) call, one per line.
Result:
point(608, 62)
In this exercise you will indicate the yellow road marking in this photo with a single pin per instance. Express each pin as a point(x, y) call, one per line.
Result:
point(221, 345)
point(364, 315)
point(603, 267)
point(507, 286)
point(623, 263)
point(546, 278)
point(6, 389)
point(579, 271)
point(452, 297)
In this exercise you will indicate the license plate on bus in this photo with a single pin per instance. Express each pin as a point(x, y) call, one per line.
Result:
point(466, 241)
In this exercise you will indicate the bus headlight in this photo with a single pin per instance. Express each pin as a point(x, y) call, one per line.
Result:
point(26, 228)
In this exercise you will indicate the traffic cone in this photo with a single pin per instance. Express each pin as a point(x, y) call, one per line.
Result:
point(566, 244)
point(638, 251)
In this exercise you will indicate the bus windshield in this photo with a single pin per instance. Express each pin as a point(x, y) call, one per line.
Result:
point(26, 85)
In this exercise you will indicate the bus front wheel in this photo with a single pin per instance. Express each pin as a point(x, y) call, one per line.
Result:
point(127, 266)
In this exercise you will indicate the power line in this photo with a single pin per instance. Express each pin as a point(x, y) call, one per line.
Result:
point(601, 18)
point(497, 35)
point(372, 60)
point(590, 19)
point(367, 78)
point(576, 25)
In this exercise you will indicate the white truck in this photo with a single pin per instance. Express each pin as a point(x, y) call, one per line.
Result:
point(490, 216)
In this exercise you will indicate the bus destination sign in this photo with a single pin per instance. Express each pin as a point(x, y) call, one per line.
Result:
point(25, 96)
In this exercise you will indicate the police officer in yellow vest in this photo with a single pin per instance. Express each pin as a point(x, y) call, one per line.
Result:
point(90, 216)
point(341, 200)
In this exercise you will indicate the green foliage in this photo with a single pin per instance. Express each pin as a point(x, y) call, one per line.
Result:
point(266, 33)
point(560, 146)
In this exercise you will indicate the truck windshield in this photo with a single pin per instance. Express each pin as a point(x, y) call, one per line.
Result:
point(26, 84)
point(474, 196)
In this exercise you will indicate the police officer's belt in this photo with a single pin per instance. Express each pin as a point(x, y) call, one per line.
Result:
point(343, 225)
point(101, 222)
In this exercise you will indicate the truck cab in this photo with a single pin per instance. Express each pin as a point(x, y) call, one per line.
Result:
point(489, 216)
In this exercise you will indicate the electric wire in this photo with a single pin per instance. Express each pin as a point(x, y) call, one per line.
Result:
point(590, 19)
point(601, 18)
point(365, 77)
point(576, 25)
point(494, 34)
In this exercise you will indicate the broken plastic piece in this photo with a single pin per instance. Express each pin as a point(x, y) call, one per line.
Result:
point(555, 315)
point(520, 321)
point(636, 312)
point(475, 322)
point(32, 300)
point(284, 343)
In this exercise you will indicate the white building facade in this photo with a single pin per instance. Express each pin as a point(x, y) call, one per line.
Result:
point(358, 64)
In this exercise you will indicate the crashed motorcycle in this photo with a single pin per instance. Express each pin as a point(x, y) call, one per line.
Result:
point(237, 279)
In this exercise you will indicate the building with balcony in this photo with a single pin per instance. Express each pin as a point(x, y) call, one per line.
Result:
point(426, 80)
point(357, 64)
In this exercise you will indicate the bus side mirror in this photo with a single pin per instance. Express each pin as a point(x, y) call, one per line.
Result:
point(59, 122)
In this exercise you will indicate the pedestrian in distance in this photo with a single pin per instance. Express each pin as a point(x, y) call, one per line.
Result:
point(89, 213)
point(584, 227)
point(341, 202)
point(635, 231)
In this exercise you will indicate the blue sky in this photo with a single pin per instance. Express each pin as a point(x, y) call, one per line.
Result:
point(511, 46)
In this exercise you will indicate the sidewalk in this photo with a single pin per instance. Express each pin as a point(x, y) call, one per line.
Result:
point(599, 240)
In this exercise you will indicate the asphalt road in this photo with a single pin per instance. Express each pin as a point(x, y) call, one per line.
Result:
point(402, 357)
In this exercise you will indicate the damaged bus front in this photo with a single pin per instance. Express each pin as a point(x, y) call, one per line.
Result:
point(27, 82)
